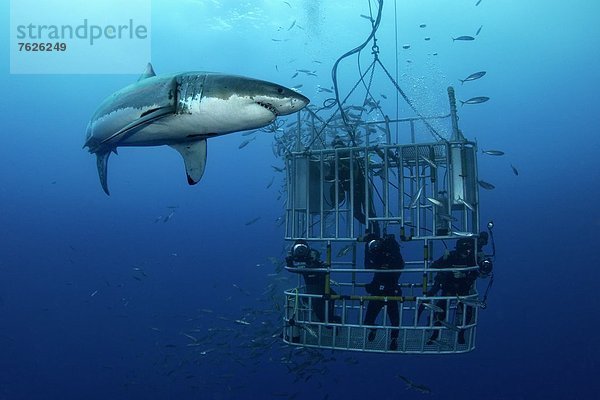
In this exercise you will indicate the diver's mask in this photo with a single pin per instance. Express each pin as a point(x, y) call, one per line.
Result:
point(300, 251)
point(375, 246)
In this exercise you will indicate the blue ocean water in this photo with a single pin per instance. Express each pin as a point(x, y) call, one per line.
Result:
point(97, 293)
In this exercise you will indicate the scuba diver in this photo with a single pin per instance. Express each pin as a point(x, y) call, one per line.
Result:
point(345, 171)
point(457, 283)
point(314, 280)
point(383, 254)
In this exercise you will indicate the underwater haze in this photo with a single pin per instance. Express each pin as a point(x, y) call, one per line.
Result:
point(168, 291)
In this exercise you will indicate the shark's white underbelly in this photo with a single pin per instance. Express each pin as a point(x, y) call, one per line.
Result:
point(208, 117)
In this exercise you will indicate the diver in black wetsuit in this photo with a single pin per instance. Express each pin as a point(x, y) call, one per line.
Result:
point(454, 283)
point(383, 254)
point(314, 280)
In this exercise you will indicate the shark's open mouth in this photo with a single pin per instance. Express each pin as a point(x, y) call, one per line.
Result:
point(269, 107)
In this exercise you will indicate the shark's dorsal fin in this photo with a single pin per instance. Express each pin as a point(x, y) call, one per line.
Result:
point(148, 72)
point(194, 157)
point(102, 164)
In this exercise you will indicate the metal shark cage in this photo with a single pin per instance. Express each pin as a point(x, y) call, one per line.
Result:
point(424, 193)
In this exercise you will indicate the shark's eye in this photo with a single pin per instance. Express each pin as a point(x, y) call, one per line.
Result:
point(279, 90)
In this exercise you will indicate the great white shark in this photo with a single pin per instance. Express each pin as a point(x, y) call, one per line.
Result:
point(182, 111)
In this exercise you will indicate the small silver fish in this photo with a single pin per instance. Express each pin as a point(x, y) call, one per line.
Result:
point(241, 290)
point(515, 171)
point(251, 222)
point(478, 2)
point(245, 143)
point(462, 234)
point(415, 386)
point(446, 217)
point(469, 206)
point(433, 307)
point(470, 302)
point(486, 185)
point(271, 182)
point(466, 38)
point(297, 86)
point(475, 100)
point(309, 330)
point(415, 200)
point(473, 77)
point(291, 26)
point(428, 161)
point(192, 338)
point(345, 250)
point(422, 26)
point(450, 326)
point(295, 75)
point(406, 46)
point(478, 30)
point(435, 201)
point(168, 217)
point(493, 152)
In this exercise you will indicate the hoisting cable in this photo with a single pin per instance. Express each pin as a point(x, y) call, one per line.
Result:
point(397, 63)
point(351, 131)
point(490, 228)
point(334, 101)
point(347, 54)
point(487, 291)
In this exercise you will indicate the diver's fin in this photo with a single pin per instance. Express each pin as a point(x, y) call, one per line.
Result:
point(102, 163)
point(146, 118)
point(148, 73)
point(194, 157)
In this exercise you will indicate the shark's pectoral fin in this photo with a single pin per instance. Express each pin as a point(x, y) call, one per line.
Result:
point(146, 118)
point(102, 163)
point(194, 157)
